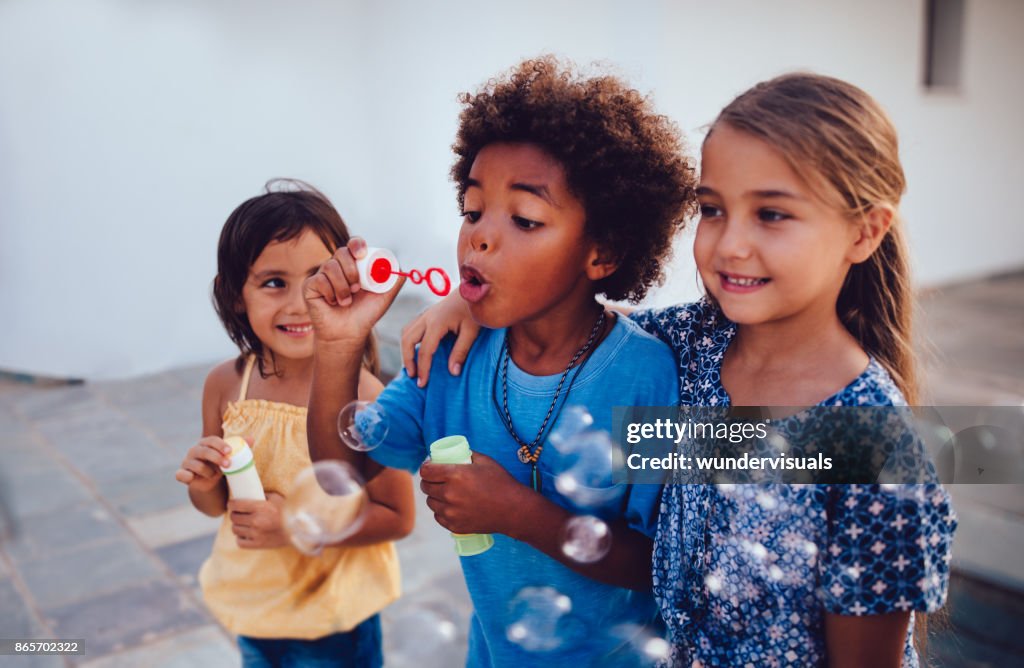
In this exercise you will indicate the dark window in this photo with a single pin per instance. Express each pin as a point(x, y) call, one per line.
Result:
point(943, 43)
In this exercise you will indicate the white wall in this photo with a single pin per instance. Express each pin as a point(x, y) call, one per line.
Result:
point(128, 132)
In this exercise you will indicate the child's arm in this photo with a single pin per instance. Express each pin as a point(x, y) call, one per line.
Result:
point(392, 511)
point(451, 314)
point(483, 498)
point(343, 317)
point(428, 329)
point(200, 470)
point(870, 640)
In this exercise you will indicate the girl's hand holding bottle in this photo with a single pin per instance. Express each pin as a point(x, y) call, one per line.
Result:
point(201, 468)
point(258, 524)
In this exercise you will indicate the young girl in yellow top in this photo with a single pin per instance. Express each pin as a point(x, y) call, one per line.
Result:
point(287, 608)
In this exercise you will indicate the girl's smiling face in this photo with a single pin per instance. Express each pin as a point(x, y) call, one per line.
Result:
point(522, 248)
point(272, 294)
point(767, 247)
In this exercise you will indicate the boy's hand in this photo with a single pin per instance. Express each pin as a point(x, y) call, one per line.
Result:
point(200, 469)
point(258, 524)
point(451, 314)
point(340, 310)
point(470, 498)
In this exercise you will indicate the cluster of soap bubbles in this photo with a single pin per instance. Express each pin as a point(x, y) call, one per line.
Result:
point(363, 425)
point(325, 504)
point(584, 458)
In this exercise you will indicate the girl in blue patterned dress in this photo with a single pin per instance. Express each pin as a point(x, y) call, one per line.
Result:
point(802, 255)
point(808, 303)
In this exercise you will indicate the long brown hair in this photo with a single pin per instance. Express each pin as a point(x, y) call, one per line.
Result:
point(285, 209)
point(839, 140)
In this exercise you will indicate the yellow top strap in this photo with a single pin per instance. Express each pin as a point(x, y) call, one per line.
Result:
point(245, 377)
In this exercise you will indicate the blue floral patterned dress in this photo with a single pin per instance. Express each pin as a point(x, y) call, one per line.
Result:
point(744, 574)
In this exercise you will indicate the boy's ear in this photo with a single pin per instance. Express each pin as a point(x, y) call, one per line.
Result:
point(601, 263)
point(872, 229)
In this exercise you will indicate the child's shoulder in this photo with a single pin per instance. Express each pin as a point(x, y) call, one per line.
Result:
point(224, 380)
point(638, 341)
point(680, 322)
point(873, 387)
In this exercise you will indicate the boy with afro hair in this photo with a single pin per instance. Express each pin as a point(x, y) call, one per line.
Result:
point(570, 187)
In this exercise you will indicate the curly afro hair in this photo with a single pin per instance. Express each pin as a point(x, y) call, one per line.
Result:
point(625, 163)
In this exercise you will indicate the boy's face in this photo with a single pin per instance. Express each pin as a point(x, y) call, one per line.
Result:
point(522, 247)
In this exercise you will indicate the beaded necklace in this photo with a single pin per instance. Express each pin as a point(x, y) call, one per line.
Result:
point(529, 453)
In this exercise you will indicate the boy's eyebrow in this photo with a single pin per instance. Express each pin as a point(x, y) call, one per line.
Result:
point(540, 191)
point(536, 190)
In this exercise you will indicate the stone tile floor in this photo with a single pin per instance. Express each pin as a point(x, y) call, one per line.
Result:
point(98, 541)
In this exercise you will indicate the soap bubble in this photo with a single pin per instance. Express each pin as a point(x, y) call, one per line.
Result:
point(586, 462)
point(539, 620)
point(586, 539)
point(326, 503)
point(423, 634)
point(572, 421)
point(362, 425)
point(638, 646)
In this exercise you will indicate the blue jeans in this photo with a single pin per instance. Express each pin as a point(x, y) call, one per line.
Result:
point(358, 648)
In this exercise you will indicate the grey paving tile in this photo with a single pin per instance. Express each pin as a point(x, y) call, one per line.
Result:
point(43, 403)
point(186, 557)
point(139, 390)
point(56, 532)
point(193, 377)
point(37, 492)
point(16, 618)
point(144, 493)
point(114, 453)
point(171, 526)
point(91, 571)
point(204, 646)
point(128, 617)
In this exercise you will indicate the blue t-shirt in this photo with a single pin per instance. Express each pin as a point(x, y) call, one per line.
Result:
point(744, 574)
point(628, 368)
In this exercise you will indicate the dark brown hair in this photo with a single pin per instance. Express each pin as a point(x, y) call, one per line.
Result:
point(622, 161)
point(842, 143)
point(285, 209)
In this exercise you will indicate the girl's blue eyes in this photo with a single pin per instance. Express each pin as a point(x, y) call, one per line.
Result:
point(764, 215)
point(273, 283)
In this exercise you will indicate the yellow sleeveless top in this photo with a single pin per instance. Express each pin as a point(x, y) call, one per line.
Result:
point(280, 592)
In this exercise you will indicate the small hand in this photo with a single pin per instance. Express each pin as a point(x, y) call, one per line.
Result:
point(427, 329)
point(340, 310)
point(201, 468)
point(471, 498)
point(258, 524)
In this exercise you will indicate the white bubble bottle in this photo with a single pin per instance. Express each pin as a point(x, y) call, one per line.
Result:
point(378, 270)
point(455, 450)
point(243, 479)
